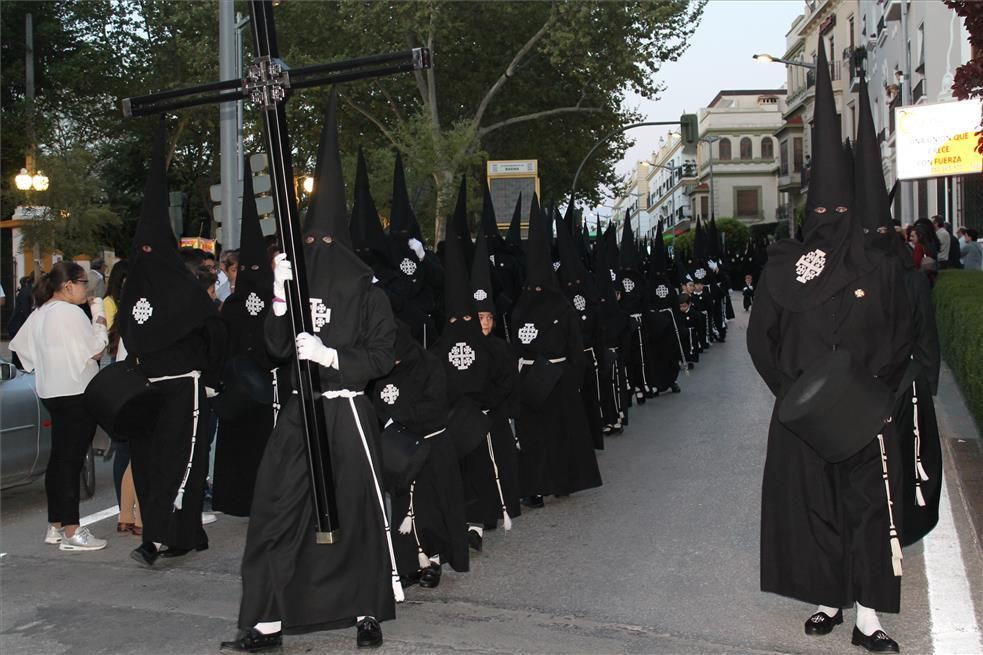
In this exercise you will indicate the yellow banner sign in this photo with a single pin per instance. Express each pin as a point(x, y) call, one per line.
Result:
point(938, 140)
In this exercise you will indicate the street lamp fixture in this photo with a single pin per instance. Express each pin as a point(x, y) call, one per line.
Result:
point(308, 185)
point(26, 182)
point(766, 58)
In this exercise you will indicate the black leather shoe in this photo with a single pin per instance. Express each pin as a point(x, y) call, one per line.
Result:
point(878, 642)
point(821, 623)
point(534, 502)
point(253, 641)
point(430, 577)
point(675, 388)
point(369, 633)
point(181, 552)
point(475, 540)
point(145, 554)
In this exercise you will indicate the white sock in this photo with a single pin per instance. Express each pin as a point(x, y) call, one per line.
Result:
point(359, 619)
point(435, 559)
point(828, 611)
point(477, 528)
point(268, 627)
point(867, 621)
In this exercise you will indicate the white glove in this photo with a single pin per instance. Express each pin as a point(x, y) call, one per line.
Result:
point(417, 247)
point(210, 393)
point(311, 348)
point(283, 270)
point(97, 309)
point(388, 423)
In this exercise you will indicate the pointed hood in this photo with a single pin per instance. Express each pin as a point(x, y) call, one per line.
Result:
point(514, 235)
point(458, 296)
point(460, 219)
point(489, 224)
point(872, 204)
point(481, 278)
point(162, 300)
point(368, 237)
point(571, 269)
point(629, 259)
point(849, 160)
point(831, 254)
point(402, 220)
point(713, 240)
point(658, 263)
point(539, 262)
point(255, 272)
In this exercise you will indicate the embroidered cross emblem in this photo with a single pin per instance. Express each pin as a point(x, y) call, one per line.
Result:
point(662, 291)
point(700, 273)
point(527, 333)
point(810, 265)
point(408, 266)
point(579, 302)
point(461, 356)
point(480, 294)
point(389, 394)
point(628, 284)
point(254, 304)
point(142, 311)
point(491, 258)
point(614, 278)
point(556, 266)
point(320, 314)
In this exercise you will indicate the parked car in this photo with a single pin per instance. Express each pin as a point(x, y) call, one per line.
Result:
point(25, 433)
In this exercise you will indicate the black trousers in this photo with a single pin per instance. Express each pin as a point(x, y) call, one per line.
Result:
point(72, 429)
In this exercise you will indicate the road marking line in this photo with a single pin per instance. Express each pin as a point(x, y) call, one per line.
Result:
point(99, 516)
point(954, 627)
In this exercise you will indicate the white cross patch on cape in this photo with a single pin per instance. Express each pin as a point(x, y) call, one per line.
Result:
point(556, 266)
point(614, 276)
point(480, 294)
point(662, 291)
point(142, 311)
point(389, 394)
point(461, 356)
point(579, 302)
point(254, 304)
point(700, 273)
point(320, 314)
point(810, 265)
point(527, 333)
point(408, 266)
point(491, 258)
point(628, 284)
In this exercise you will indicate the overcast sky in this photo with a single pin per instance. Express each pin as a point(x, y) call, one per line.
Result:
point(719, 57)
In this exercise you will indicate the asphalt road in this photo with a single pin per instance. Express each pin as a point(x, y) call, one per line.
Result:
point(662, 559)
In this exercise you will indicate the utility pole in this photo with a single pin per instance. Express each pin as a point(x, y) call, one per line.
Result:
point(907, 188)
point(228, 119)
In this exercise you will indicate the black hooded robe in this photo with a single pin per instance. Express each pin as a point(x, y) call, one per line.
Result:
point(556, 453)
point(825, 527)
point(430, 512)
point(286, 575)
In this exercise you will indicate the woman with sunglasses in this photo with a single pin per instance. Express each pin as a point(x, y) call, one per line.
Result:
point(60, 343)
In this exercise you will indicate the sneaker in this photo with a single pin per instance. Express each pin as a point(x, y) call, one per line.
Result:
point(54, 535)
point(208, 517)
point(82, 540)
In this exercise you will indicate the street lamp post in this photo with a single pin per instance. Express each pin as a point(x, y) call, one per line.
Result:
point(765, 58)
point(710, 140)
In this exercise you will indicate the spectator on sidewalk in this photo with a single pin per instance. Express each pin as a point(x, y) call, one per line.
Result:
point(970, 250)
point(97, 279)
point(63, 347)
point(945, 240)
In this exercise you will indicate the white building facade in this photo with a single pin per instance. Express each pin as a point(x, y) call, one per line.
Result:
point(671, 173)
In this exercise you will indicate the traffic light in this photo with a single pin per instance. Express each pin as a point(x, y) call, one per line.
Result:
point(689, 129)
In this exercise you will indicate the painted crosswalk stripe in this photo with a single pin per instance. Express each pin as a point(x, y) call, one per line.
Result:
point(954, 627)
point(98, 516)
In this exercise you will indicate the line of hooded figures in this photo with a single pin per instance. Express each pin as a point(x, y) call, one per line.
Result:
point(458, 387)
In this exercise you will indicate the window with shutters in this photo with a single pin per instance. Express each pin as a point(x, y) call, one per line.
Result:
point(797, 154)
point(767, 148)
point(747, 202)
point(783, 160)
point(746, 148)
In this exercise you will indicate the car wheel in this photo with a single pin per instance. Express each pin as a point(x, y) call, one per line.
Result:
point(88, 478)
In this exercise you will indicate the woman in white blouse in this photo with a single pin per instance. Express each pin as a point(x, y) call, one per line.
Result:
point(60, 343)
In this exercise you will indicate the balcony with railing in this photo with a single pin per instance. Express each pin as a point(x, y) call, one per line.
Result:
point(918, 91)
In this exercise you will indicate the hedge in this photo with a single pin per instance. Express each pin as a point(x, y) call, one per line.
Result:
point(959, 314)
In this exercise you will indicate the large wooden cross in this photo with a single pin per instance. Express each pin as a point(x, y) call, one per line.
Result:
point(268, 84)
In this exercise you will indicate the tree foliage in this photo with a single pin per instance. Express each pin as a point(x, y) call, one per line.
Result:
point(968, 82)
point(536, 80)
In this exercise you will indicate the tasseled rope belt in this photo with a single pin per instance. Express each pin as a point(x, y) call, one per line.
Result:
point(641, 349)
point(195, 376)
point(408, 524)
point(893, 531)
point(276, 396)
point(530, 362)
point(597, 375)
point(920, 474)
point(350, 396)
